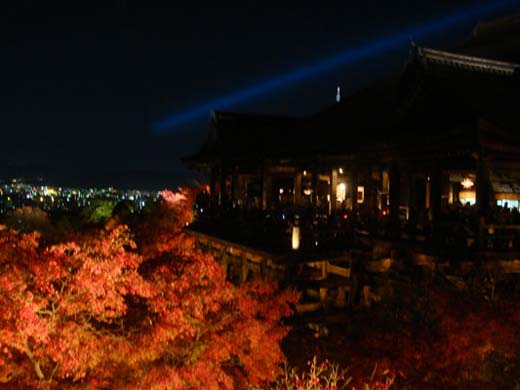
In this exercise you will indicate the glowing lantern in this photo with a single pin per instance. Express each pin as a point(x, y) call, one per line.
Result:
point(296, 238)
point(467, 183)
point(341, 192)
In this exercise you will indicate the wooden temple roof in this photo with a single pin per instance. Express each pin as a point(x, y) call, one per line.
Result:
point(466, 96)
point(467, 62)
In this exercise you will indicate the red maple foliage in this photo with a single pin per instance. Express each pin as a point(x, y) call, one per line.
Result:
point(427, 336)
point(447, 340)
point(99, 311)
point(160, 231)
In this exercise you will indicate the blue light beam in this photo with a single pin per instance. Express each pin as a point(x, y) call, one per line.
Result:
point(347, 57)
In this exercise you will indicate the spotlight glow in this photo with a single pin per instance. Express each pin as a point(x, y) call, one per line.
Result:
point(347, 57)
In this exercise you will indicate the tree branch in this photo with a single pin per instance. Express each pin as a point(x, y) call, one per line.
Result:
point(54, 371)
point(45, 312)
point(36, 363)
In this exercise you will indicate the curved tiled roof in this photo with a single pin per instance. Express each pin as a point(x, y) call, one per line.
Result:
point(440, 96)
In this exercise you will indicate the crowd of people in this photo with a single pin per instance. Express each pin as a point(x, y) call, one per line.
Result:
point(459, 226)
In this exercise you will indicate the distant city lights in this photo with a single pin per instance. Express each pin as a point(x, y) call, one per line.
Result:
point(15, 193)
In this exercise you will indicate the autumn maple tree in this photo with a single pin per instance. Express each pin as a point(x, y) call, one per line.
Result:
point(105, 312)
point(441, 339)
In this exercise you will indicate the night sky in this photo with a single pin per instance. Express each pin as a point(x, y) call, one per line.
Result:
point(82, 84)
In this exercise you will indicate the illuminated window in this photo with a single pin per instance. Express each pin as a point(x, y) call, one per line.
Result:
point(510, 203)
point(295, 239)
point(360, 194)
point(467, 197)
point(341, 192)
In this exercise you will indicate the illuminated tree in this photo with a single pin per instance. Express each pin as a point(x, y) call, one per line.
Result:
point(28, 219)
point(61, 305)
point(159, 230)
point(217, 335)
point(98, 212)
point(446, 339)
point(96, 311)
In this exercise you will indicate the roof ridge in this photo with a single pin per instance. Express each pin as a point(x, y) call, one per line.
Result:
point(468, 62)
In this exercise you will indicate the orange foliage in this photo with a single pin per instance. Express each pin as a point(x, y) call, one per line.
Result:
point(100, 311)
point(161, 231)
point(445, 343)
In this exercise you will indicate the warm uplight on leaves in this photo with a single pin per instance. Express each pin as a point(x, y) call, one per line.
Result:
point(105, 312)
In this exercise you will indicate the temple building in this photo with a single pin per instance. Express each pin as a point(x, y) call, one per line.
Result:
point(428, 159)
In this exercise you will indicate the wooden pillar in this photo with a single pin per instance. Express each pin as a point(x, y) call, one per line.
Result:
point(483, 197)
point(298, 188)
point(341, 298)
point(324, 291)
point(332, 189)
point(428, 193)
point(213, 177)
point(243, 269)
point(370, 190)
point(225, 264)
point(235, 186)
point(412, 201)
point(436, 193)
point(395, 192)
point(223, 193)
point(353, 188)
point(456, 192)
point(385, 185)
point(267, 185)
point(315, 180)
point(482, 187)
point(324, 269)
